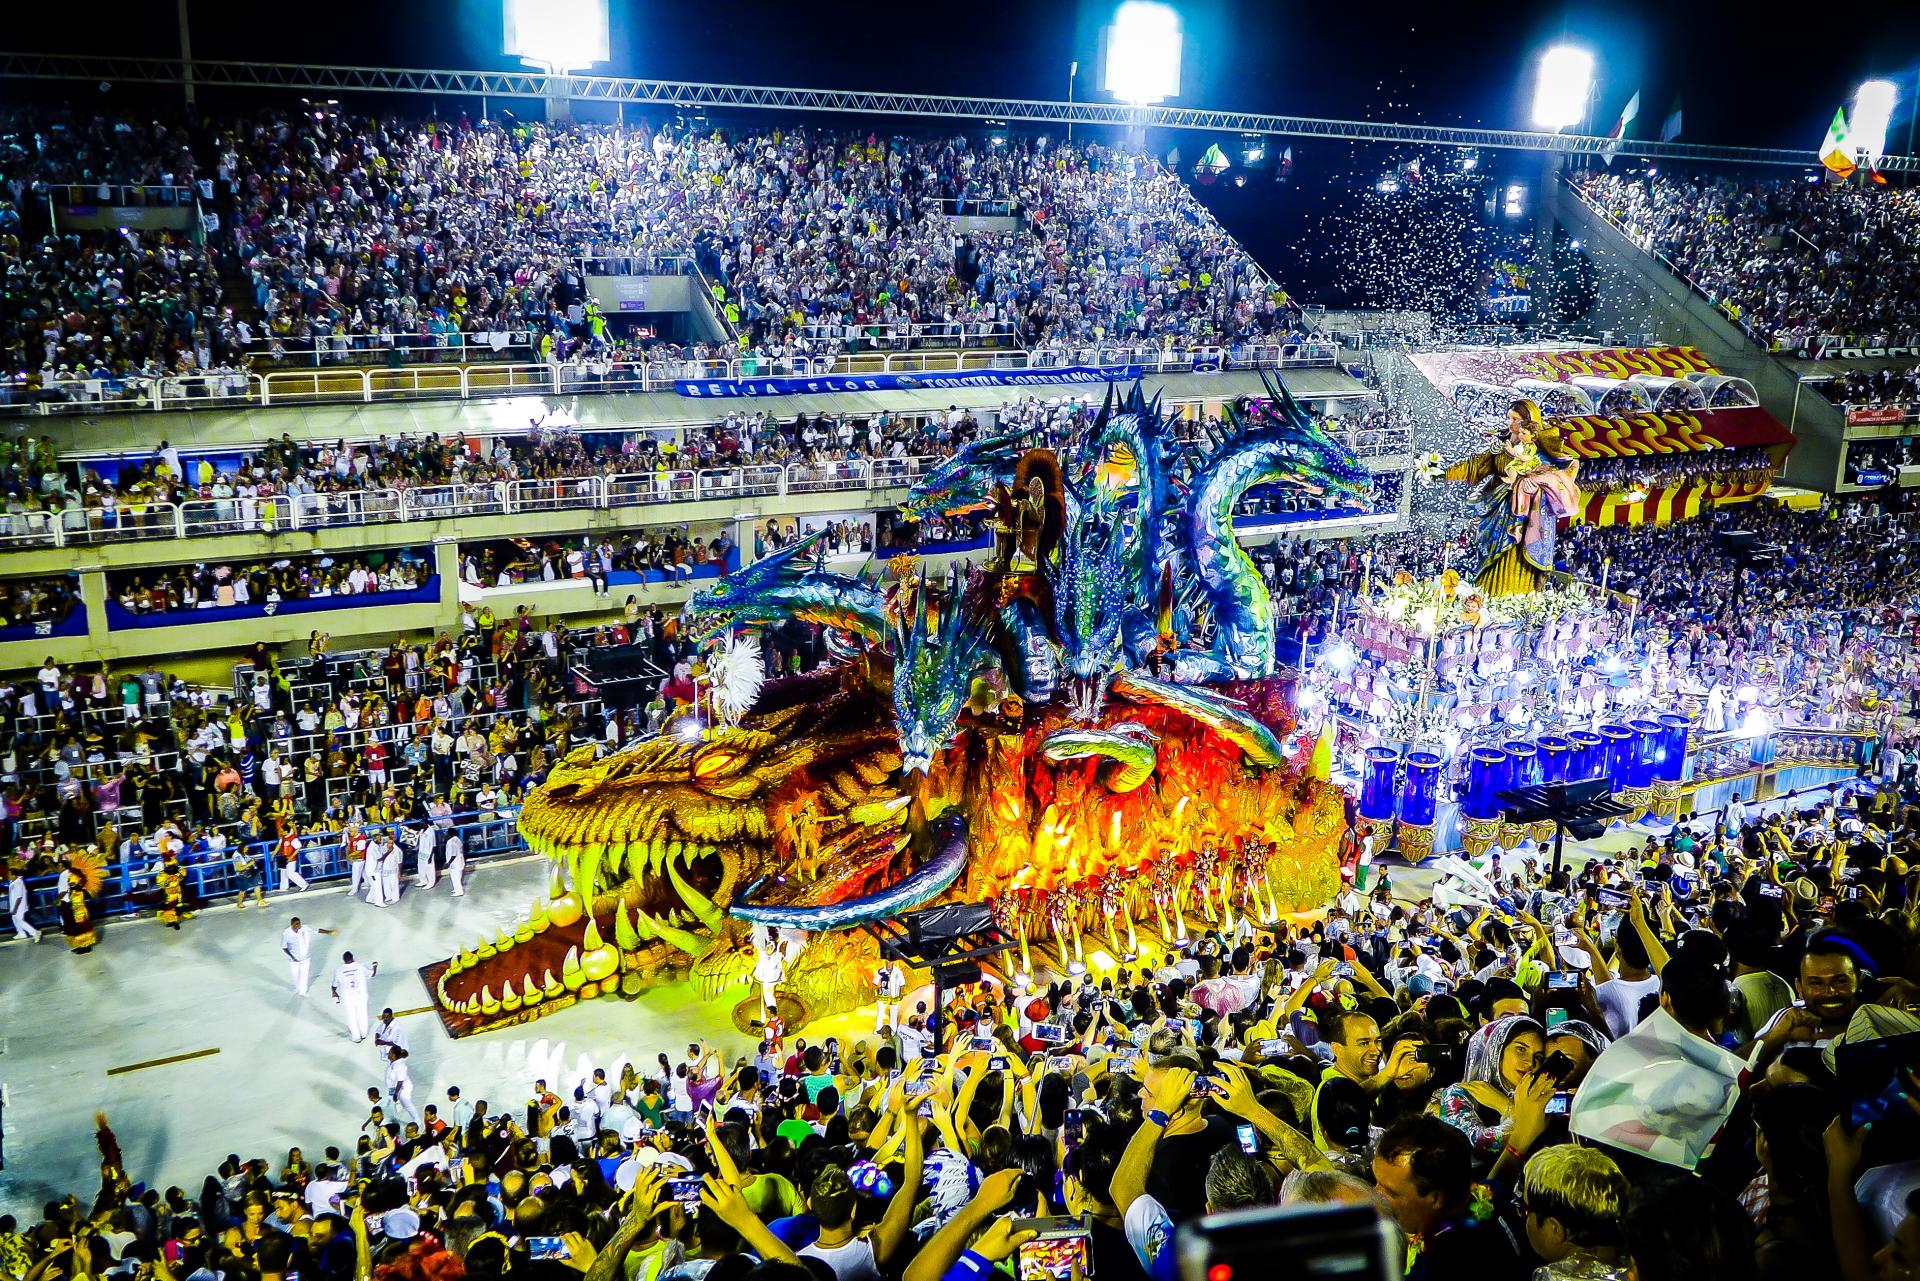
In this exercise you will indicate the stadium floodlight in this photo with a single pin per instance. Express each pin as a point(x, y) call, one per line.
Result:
point(556, 35)
point(1142, 62)
point(1873, 104)
point(1562, 87)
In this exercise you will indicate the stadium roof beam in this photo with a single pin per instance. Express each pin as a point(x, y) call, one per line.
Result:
point(680, 93)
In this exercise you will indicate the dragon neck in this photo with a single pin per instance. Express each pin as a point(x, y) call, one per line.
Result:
point(1235, 592)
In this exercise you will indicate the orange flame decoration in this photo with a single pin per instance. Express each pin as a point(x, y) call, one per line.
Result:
point(1074, 855)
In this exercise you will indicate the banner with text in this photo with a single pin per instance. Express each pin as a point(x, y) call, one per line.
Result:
point(729, 388)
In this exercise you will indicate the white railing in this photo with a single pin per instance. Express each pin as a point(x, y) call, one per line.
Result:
point(553, 495)
point(445, 502)
point(333, 509)
point(132, 194)
point(377, 348)
point(327, 385)
point(27, 529)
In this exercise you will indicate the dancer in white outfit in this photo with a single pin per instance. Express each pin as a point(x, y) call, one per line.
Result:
point(350, 982)
point(389, 864)
point(17, 907)
point(891, 983)
point(296, 941)
point(426, 866)
point(456, 855)
point(400, 1084)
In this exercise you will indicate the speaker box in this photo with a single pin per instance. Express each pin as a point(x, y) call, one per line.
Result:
point(938, 924)
point(956, 973)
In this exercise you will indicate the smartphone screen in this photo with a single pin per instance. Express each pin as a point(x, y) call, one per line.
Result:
point(1249, 1138)
point(687, 1193)
point(1271, 1048)
point(1050, 1033)
point(546, 1248)
point(1058, 1245)
point(1560, 1104)
point(919, 1089)
point(984, 1044)
point(998, 1063)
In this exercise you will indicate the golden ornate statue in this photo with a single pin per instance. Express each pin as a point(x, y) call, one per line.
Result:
point(1527, 489)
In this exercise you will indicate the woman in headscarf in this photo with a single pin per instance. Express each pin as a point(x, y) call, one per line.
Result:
point(1580, 1041)
point(1500, 1056)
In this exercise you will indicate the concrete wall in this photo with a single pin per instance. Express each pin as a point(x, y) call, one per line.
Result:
point(1637, 293)
point(624, 295)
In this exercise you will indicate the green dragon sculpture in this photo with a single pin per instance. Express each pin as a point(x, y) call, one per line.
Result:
point(907, 773)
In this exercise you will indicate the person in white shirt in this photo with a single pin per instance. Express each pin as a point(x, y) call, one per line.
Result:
point(891, 983)
point(17, 907)
point(914, 1040)
point(428, 869)
point(400, 1084)
point(350, 981)
point(297, 942)
point(385, 854)
point(387, 1034)
point(323, 1191)
point(455, 852)
point(371, 853)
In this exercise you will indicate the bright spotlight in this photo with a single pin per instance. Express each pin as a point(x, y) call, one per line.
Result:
point(556, 35)
point(1516, 200)
point(688, 728)
point(1873, 105)
point(1387, 185)
point(1341, 658)
point(1143, 53)
point(1561, 89)
point(1757, 724)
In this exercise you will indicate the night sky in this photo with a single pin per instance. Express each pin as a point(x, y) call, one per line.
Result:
point(1743, 78)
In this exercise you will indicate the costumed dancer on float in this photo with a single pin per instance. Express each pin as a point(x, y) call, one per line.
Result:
point(1526, 488)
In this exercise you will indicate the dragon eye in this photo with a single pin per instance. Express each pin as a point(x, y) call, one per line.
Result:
point(715, 763)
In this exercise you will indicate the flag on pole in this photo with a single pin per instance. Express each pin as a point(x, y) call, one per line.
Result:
point(1173, 158)
point(1627, 117)
point(1836, 152)
point(1671, 129)
point(1212, 164)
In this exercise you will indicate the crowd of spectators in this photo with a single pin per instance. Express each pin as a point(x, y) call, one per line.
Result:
point(136, 764)
point(267, 582)
point(1892, 385)
point(1851, 558)
point(657, 555)
point(1448, 1063)
point(1885, 458)
point(38, 600)
point(1746, 465)
point(330, 229)
point(1791, 261)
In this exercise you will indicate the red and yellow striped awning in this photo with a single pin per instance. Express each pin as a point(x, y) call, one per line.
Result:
point(1667, 505)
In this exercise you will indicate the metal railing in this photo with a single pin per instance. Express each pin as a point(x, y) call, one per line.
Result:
point(347, 385)
point(333, 509)
point(635, 264)
point(130, 883)
point(384, 346)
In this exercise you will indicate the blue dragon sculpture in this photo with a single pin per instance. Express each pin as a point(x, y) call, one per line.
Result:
point(963, 482)
point(790, 583)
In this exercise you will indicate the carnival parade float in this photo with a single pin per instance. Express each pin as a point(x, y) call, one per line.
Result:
point(1088, 733)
